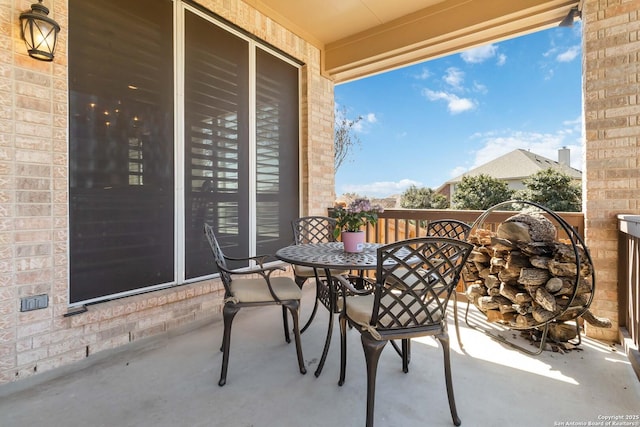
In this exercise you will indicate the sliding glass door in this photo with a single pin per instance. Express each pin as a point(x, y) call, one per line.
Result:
point(171, 128)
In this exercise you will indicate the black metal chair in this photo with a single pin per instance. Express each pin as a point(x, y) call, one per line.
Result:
point(414, 281)
point(449, 228)
point(456, 230)
point(252, 292)
point(440, 228)
point(313, 229)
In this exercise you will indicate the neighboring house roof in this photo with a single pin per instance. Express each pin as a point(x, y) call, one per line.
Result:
point(517, 165)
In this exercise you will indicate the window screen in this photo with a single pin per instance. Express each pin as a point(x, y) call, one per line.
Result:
point(121, 182)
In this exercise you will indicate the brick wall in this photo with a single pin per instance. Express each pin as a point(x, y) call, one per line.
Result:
point(33, 191)
point(611, 70)
point(319, 173)
point(34, 197)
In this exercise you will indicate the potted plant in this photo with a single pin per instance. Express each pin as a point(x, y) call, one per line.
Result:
point(350, 220)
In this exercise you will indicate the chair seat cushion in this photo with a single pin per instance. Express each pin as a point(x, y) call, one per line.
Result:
point(303, 271)
point(399, 277)
point(256, 289)
point(360, 307)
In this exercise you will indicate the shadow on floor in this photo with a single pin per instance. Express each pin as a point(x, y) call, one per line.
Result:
point(172, 381)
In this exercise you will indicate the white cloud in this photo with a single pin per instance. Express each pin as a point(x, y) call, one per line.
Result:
point(543, 144)
point(432, 95)
point(458, 105)
point(480, 54)
point(502, 59)
point(424, 74)
point(454, 78)
point(569, 55)
point(362, 125)
point(479, 87)
point(547, 145)
point(548, 75)
point(575, 123)
point(380, 189)
point(458, 170)
point(455, 104)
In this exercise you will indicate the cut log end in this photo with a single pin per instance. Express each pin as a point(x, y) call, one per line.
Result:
point(593, 320)
point(560, 332)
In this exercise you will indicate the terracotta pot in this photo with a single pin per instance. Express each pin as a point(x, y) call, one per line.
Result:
point(353, 241)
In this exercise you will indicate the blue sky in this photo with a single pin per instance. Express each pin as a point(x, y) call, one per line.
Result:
point(425, 124)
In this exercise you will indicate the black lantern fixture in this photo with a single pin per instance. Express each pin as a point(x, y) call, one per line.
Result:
point(571, 16)
point(39, 32)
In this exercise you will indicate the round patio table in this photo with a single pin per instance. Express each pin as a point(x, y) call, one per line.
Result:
point(329, 256)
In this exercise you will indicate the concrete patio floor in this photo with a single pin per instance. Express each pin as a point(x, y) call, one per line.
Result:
point(172, 381)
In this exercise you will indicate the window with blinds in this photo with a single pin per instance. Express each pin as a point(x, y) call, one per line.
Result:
point(276, 163)
point(216, 142)
point(240, 169)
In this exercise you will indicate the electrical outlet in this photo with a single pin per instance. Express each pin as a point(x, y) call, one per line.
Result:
point(34, 303)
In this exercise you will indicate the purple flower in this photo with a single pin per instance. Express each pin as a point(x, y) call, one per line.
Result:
point(358, 214)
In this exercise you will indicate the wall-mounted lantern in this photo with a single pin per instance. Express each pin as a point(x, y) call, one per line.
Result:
point(571, 16)
point(39, 32)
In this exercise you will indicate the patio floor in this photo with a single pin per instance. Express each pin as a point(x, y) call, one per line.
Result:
point(172, 381)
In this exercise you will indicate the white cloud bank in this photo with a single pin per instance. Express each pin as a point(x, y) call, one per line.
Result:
point(496, 144)
point(569, 55)
point(455, 104)
point(362, 126)
point(379, 189)
point(454, 78)
point(483, 53)
point(492, 145)
point(454, 88)
point(423, 75)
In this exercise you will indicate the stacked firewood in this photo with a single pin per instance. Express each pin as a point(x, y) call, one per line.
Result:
point(523, 276)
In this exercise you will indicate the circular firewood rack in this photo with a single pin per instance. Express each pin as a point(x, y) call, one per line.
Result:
point(569, 308)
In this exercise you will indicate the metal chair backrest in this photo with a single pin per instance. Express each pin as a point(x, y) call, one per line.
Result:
point(415, 279)
point(449, 228)
point(218, 257)
point(313, 229)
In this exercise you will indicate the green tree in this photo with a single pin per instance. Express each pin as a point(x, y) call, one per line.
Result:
point(480, 192)
point(552, 189)
point(422, 198)
point(344, 138)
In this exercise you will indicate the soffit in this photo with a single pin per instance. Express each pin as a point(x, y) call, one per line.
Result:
point(358, 38)
point(326, 21)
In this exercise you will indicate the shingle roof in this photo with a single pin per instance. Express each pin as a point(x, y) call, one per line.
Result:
point(518, 164)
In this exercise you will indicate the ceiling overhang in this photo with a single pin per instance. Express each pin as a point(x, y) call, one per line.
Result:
point(359, 38)
point(443, 29)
